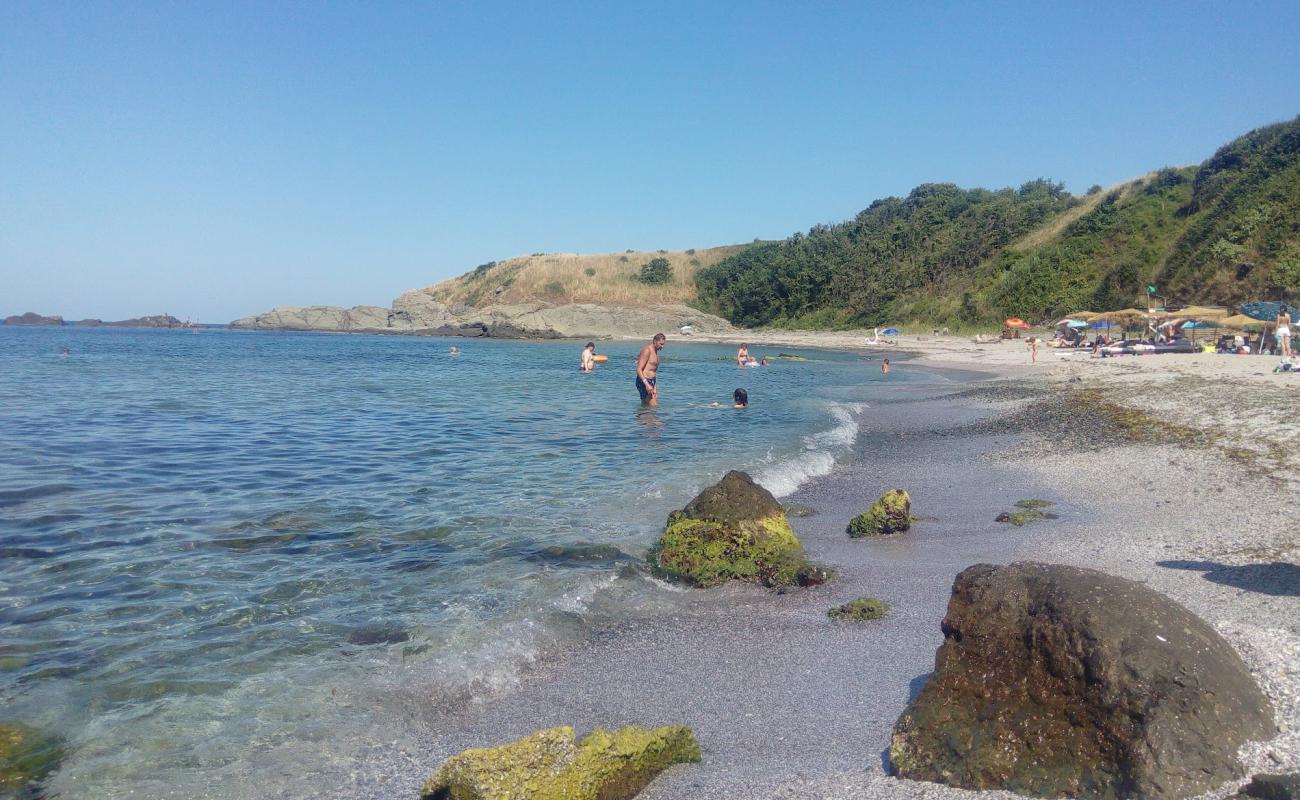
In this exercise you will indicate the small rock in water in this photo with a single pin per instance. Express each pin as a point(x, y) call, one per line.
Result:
point(26, 757)
point(799, 510)
point(1272, 787)
point(378, 634)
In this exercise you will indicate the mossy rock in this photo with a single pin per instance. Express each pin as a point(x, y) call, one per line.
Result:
point(892, 513)
point(1022, 518)
point(733, 530)
point(548, 765)
point(1033, 504)
point(864, 608)
point(799, 510)
point(26, 756)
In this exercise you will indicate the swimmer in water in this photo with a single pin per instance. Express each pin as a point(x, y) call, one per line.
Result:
point(454, 351)
point(763, 363)
point(742, 355)
point(66, 352)
point(884, 367)
point(587, 361)
point(741, 398)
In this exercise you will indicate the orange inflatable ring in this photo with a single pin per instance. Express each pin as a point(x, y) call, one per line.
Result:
point(600, 359)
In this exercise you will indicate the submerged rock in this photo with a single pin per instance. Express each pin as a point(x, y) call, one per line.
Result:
point(26, 756)
point(1058, 681)
point(734, 530)
point(864, 608)
point(548, 765)
point(892, 513)
point(1272, 787)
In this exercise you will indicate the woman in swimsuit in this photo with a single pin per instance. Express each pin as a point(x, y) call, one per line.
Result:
point(1284, 331)
point(742, 355)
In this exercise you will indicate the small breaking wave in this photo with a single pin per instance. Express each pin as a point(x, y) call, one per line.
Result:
point(822, 450)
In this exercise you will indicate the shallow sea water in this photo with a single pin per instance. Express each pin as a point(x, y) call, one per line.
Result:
point(235, 563)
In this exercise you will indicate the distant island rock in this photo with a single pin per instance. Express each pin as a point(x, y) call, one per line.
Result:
point(32, 318)
point(154, 321)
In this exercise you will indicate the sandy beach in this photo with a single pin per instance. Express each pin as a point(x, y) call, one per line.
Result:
point(787, 704)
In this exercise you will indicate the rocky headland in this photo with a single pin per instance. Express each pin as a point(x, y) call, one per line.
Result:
point(417, 313)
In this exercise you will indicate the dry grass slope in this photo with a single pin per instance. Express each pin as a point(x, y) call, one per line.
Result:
point(1053, 228)
point(559, 278)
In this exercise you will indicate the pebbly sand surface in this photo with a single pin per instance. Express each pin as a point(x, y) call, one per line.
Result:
point(787, 704)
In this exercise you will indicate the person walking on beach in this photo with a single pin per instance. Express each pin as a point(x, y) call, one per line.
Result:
point(1284, 331)
point(1032, 344)
point(587, 362)
point(647, 368)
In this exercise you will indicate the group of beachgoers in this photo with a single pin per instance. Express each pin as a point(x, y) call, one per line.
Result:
point(647, 371)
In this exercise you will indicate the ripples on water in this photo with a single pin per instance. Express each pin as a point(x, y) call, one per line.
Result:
point(217, 547)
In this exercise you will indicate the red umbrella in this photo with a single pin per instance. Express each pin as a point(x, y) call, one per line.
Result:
point(1017, 322)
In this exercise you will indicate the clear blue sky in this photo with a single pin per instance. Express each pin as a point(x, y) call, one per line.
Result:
point(215, 159)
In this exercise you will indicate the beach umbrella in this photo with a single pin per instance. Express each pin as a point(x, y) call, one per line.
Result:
point(1076, 323)
point(1017, 322)
point(1200, 324)
point(891, 331)
point(1097, 325)
point(1264, 311)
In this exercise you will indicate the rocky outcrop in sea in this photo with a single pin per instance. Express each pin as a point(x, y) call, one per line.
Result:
point(32, 318)
point(417, 312)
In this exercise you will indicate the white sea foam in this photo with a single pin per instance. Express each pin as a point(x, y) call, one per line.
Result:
point(822, 449)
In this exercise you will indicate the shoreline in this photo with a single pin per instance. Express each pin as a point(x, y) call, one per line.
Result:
point(788, 704)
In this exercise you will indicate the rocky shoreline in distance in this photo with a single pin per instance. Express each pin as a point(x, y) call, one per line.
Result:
point(31, 318)
point(417, 313)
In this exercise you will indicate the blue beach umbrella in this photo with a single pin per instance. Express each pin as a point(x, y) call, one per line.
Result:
point(1099, 324)
point(891, 331)
point(1076, 323)
point(1199, 324)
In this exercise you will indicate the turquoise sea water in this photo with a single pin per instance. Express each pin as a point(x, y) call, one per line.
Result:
point(236, 560)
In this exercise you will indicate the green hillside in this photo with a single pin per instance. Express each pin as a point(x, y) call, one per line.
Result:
point(1223, 232)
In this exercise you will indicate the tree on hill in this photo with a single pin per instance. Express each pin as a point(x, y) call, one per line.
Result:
point(657, 271)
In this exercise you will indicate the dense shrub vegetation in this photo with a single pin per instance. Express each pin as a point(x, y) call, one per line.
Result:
point(1223, 232)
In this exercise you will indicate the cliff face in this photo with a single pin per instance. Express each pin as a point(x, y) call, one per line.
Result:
point(417, 312)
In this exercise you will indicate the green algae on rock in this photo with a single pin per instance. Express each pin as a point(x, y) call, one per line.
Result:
point(734, 530)
point(1033, 503)
point(548, 765)
point(892, 513)
point(26, 756)
point(864, 608)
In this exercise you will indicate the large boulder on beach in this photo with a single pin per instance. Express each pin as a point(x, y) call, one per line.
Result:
point(549, 765)
point(1057, 681)
point(892, 513)
point(734, 530)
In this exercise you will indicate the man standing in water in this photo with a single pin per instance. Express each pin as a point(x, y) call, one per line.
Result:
point(647, 365)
